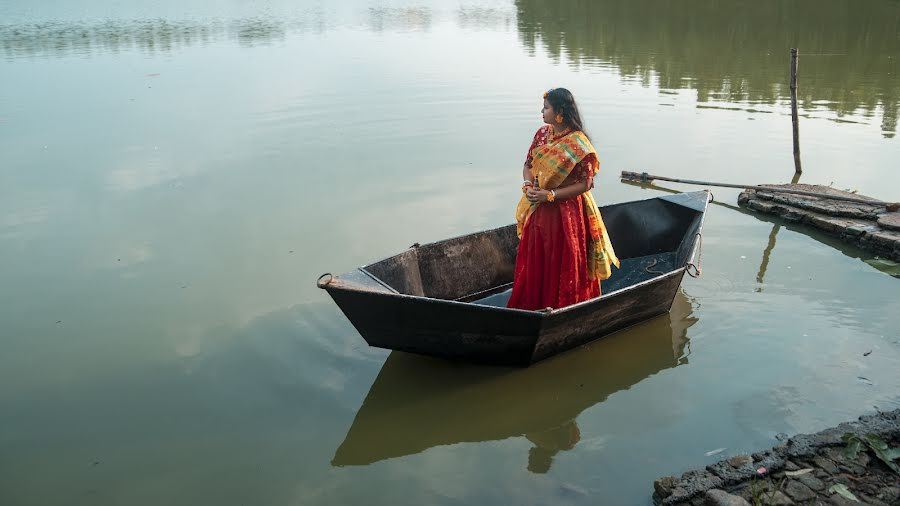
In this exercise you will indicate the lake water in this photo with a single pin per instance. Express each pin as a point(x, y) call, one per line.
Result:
point(174, 175)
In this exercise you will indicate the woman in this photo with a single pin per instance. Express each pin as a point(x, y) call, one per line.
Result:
point(564, 252)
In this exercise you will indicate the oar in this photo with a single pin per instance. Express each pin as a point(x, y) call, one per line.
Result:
point(643, 177)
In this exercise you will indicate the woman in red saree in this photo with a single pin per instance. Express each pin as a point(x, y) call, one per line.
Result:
point(564, 251)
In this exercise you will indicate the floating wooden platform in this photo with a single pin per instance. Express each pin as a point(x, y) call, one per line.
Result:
point(867, 226)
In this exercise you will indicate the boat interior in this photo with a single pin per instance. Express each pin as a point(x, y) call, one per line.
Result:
point(651, 238)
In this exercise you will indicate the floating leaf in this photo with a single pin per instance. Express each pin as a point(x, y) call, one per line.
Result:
point(842, 489)
point(798, 473)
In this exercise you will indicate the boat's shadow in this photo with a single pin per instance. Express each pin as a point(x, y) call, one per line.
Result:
point(420, 402)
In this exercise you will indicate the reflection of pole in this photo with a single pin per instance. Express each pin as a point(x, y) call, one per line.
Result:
point(797, 168)
point(761, 275)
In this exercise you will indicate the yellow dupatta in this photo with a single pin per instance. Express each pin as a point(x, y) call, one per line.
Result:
point(552, 163)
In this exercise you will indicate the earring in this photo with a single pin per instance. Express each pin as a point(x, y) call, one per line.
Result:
point(559, 118)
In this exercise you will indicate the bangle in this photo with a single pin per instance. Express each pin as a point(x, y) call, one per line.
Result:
point(526, 183)
point(551, 196)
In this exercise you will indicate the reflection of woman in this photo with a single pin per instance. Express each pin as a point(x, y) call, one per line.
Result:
point(564, 252)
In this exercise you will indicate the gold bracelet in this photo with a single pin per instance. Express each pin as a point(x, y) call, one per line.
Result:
point(551, 196)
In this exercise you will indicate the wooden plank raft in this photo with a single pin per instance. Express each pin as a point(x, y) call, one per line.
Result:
point(865, 222)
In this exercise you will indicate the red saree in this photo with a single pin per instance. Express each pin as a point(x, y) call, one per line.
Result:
point(563, 252)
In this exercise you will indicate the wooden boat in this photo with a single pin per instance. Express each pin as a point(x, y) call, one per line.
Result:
point(448, 298)
point(417, 403)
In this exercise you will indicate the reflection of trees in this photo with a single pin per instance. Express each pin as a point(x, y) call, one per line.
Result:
point(485, 19)
point(402, 19)
point(733, 51)
point(61, 39)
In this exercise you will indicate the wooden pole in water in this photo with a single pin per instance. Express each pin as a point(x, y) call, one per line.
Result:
point(797, 168)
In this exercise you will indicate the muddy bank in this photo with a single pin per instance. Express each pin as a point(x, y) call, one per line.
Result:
point(808, 469)
point(870, 227)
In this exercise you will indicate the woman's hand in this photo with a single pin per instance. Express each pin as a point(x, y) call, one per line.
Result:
point(535, 196)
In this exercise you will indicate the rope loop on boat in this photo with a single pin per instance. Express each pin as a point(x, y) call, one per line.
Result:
point(652, 264)
point(697, 271)
point(321, 283)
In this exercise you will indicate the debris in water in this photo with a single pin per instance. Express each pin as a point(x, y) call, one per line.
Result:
point(865, 380)
point(866, 354)
point(713, 452)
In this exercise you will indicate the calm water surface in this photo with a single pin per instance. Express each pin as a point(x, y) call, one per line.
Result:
point(175, 175)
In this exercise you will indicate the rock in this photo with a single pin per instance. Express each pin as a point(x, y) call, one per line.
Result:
point(835, 455)
point(871, 501)
point(716, 497)
point(731, 474)
point(851, 468)
point(811, 481)
point(839, 500)
point(664, 486)
point(692, 483)
point(790, 466)
point(798, 491)
point(739, 461)
point(826, 465)
point(780, 499)
point(890, 495)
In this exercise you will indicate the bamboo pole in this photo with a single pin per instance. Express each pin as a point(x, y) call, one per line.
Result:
point(794, 55)
point(646, 178)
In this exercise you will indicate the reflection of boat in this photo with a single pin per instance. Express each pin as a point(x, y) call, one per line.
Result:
point(418, 402)
point(448, 298)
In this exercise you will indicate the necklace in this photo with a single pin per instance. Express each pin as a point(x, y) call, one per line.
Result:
point(554, 136)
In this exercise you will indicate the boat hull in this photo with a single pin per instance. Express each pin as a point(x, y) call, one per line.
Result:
point(464, 325)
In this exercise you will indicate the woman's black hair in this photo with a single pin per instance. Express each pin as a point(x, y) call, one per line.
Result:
point(563, 103)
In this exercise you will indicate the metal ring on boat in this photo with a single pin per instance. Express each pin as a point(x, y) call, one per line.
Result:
point(712, 198)
point(323, 284)
point(697, 271)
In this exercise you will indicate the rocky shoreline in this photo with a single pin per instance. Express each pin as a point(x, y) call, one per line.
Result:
point(869, 226)
point(809, 469)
